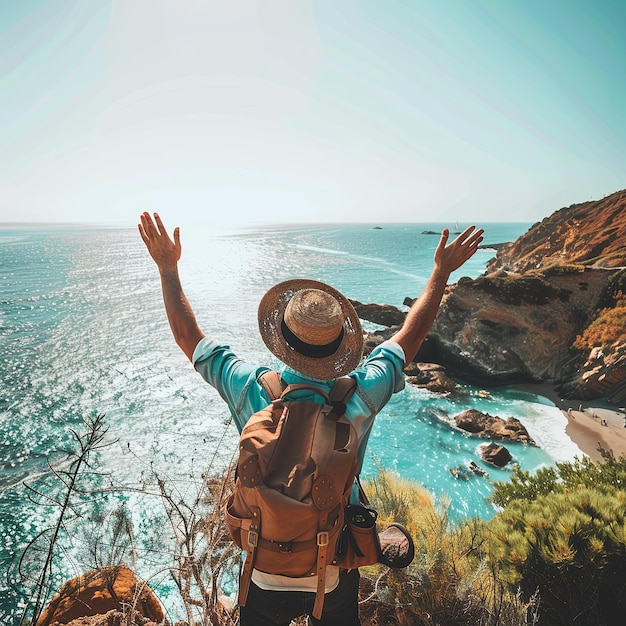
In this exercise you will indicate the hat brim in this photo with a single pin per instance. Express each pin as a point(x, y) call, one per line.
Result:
point(341, 362)
point(397, 549)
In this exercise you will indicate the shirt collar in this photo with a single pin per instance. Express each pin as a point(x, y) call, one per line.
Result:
point(294, 374)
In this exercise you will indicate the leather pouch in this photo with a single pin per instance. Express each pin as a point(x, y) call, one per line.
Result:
point(358, 543)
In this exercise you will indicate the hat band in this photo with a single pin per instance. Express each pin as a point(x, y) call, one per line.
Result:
point(309, 349)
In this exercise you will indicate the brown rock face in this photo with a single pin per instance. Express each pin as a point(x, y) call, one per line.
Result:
point(383, 314)
point(503, 329)
point(602, 375)
point(593, 233)
point(491, 427)
point(495, 454)
point(97, 593)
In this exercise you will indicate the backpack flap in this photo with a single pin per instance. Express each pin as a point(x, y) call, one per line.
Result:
point(260, 435)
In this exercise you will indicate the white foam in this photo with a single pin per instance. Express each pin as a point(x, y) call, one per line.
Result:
point(546, 425)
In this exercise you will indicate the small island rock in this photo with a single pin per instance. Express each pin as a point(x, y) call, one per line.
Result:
point(431, 376)
point(492, 427)
point(495, 454)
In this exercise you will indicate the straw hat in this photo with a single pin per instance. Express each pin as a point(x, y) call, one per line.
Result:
point(312, 328)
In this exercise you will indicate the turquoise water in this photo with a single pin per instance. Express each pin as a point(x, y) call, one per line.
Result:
point(83, 331)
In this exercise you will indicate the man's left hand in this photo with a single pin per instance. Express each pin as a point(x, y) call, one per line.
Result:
point(449, 257)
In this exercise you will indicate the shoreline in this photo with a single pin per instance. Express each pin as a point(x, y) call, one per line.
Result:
point(589, 425)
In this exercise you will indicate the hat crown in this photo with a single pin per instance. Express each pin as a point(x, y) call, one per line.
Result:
point(312, 328)
point(314, 316)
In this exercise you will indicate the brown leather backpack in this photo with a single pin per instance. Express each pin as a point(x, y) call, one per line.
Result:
point(297, 463)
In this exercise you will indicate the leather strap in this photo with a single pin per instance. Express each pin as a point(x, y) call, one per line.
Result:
point(273, 384)
point(341, 392)
point(363, 499)
point(322, 558)
point(254, 531)
point(267, 544)
point(298, 387)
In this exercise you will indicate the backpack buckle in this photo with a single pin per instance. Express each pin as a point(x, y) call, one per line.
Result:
point(253, 538)
point(323, 538)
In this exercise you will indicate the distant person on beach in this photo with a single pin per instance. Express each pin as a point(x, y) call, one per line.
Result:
point(292, 317)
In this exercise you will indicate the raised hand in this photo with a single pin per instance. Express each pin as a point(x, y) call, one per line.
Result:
point(449, 257)
point(165, 252)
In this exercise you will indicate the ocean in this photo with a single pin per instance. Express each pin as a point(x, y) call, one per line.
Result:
point(83, 332)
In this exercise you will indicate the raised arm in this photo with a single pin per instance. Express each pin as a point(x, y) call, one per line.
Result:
point(448, 257)
point(166, 254)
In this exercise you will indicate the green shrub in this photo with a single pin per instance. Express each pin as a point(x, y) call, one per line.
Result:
point(518, 290)
point(450, 581)
point(570, 547)
point(609, 475)
point(562, 534)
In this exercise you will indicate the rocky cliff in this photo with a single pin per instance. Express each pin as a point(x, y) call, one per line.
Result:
point(510, 329)
point(591, 233)
point(520, 321)
point(548, 308)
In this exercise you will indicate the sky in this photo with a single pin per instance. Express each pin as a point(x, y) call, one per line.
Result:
point(309, 110)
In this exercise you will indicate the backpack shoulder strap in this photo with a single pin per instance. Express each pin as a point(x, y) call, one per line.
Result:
point(273, 384)
point(363, 499)
point(341, 392)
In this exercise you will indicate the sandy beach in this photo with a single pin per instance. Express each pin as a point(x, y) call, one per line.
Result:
point(589, 425)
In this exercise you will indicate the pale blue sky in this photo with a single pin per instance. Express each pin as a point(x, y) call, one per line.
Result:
point(295, 110)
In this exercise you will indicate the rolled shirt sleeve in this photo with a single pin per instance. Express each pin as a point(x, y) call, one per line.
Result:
point(381, 375)
point(234, 379)
point(378, 379)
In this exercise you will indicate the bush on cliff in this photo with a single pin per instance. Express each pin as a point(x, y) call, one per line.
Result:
point(559, 269)
point(518, 290)
point(570, 547)
point(607, 328)
point(522, 486)
point(450, 581)
point(562, 534)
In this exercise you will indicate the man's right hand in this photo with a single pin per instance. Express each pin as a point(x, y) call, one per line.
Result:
point(165, 252)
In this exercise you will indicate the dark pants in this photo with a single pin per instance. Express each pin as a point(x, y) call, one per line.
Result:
point(278, 608)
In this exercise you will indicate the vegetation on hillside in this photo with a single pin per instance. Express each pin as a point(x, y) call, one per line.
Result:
point(562, 535)
point(608, 328)
point(560, 269)
point(554, 554)
point(518, 290)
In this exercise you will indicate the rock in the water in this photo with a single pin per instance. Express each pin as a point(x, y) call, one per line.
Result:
point(98, 593)
point(492, 427)
point(430, 376)
point(495, 454)
point(373, 339)
point(383, 314)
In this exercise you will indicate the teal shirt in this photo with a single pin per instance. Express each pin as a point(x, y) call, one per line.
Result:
point(237, 382)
